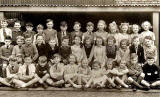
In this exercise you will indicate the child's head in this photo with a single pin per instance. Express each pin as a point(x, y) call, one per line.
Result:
point(135, 41)
point(72, 58)
point(124, 27)
point(87, 40)
point(101, 25)
point(28, 60)
point(146, 25)
point(90, 27)
point(28, 39)
point(20, 40)
point(63, 26)
point(40, 39)
point(77, 40)
point(122, 63)
point(77, 26)
point(12, 60)
point(84, 62)
point(124, 43)
point(40, 28)
point(17, 25)
point(29, 26)
point(99, 40)
point(134, 58)
point(109, 64)
point(113, 27)
point(111, 40)
point(42, 61)
point(52, 42)
point(96, 65)
point(135, 28)
point(49, 23)
point(19, 58)
point(57, 58)
point(8, 40)
point(4, 23)
point(65, 41)
point(148, 41)
point(150, 60)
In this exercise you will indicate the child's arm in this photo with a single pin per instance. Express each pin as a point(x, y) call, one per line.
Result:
point(35, 53)
point(1, 56)
point(91, 54)
point(8, 74)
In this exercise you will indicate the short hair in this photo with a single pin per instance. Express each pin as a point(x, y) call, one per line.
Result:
point(65, 37)
point(63, 23)
point(136, 25)
point(29, 24)
point(20, 37)
point(125, 24)
point(8, 38)
point(150, 57)
point(39, 35)
point(114, 24)
point(17, 22)
point(27, 56)
point(56, 55)
point(103, 22)
point(150, 26)
point(87, 38)
point(4, 21)
point(42, 59)
point(90, 24)
point(111, 38)
point(134, 55)
point(40, 26)
point(27, 36)
point(12, 58)
point(96, 62)
point(124, 40)
point(49, 20)
point(148, 37)
point(77, 23)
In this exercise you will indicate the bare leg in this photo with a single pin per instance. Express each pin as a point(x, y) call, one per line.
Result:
point(121, 82)
point(3, 81)
point(31, 82)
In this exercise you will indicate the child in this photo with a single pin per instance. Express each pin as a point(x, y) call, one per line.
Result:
point(84, 72)
point(40, 29)
point(137, 49)
point(70, 73)
point(16, 31)
point(111, 48)
point(29, 30)
point(78, 50)
point(65, 49)
point(123, 52)
point(50, 33)
point(89, 33)
point(101, 30)
point(56, 72)
point(135, 31)
point(5, 53)
point(99, 51)
point(151, 72)
point(51, 48)
point(63, 32)
point(149, 48)
point(19, 59)
point(146, 25)
point(28, 49)
point(42, 71)
point(4, 31)
point(17, 49)
point(26, 74)
point(76, 32)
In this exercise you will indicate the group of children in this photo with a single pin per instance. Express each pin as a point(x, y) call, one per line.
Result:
point(121, 57)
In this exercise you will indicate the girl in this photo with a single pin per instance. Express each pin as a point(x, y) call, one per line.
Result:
point(135, 30)
point(101, 30)
point(99, 51)
point(78, 50)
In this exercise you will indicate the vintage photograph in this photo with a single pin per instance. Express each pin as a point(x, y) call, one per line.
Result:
point(79, 48)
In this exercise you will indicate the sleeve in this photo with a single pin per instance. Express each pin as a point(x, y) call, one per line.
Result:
point(14, 51)
point(35, 53)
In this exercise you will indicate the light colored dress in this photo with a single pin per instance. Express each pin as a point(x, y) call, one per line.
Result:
point(104, 35)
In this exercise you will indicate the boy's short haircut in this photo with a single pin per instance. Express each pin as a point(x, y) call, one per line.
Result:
point(12, 58)
point(111, 38)
point(40, 26)
point(134, 55)
point(77, 23)
point(135, 37)
point(124, 40)
point(49, 20)
point(96, 62)
point(150, 57)
point(27, 56)
point(63, 24)
point(42, 59)
point(27, 36)
point(20, 37)
point(8, 38)
point(4, 21)
point(56, 55)
point(38, 35)
point(148, 37)
point(90, 24)
point(65, 37)
point(17, 22)
point(29, 24)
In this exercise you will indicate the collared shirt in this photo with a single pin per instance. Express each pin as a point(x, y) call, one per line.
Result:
point(6, 52)
point(16, 33)
point(31, 67)
point(8, 33)
point(88, 34)
point(12, 69)
point(50, 35)
point(17, 50)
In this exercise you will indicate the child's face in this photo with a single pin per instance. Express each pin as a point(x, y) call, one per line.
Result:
point(136, 41)
point(99, 41)
point(4, 24)
point(28, 60)
point(42, 64)
point(146, 26)
point(72, 59)
point(19, 59)
point(63, 28)
point(134, 60)
point(101, 26)
point(52, 42)
point(20, 42)
point(89, 28)
point(17, 25)
point(39, 30)
point(109, 66)
point(77, 40)
point(76, 27)
point(57, 59)
point(13, 62)
point(85, 63)
point(148, 42)
point(113, 29)
point(65, 42)
point(40, 39)
point(28, 41)
point(96, 66)
point(124, 45)
point(88, 41)
point(29, 28)
point(50, 25)
point(124, 28)
point(7, 42)
point(110, 42)
point(135, 29)
point(150, 61)
point(122, 64)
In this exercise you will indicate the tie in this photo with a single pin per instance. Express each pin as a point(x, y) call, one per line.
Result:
point(4, 33)
point(27, 70)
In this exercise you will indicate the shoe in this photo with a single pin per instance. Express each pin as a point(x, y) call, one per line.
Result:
point(145, 88)
point(134, 89)
point(67, 85)
point(44, 85)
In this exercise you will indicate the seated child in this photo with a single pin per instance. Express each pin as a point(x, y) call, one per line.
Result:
point(56, 72)
point(42, 71)
point(71, 73)
point(26, 74)
point(5, 53)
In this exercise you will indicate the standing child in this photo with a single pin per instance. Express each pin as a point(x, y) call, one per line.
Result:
point(29, 30)
point(76, 32)
point(5, 53)
point(71, 73)
point(135, 31)
point(99, 51)
point(56, 72)
point(50, 33)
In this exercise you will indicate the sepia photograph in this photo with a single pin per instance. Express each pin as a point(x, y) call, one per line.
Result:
point(79, 48)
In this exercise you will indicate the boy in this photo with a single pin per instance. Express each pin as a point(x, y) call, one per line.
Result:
point(29, 30)
point(16, 31)
point(4, 31)
point(5, 53)
point(63, 32)
point(28, 49)
point(26, 74)
point(50, 33)
point(137, 49)
point(42, 71)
